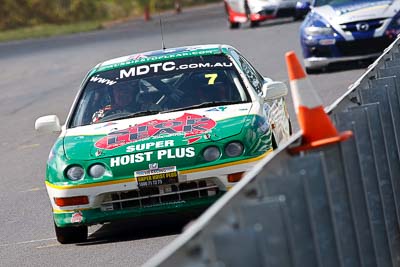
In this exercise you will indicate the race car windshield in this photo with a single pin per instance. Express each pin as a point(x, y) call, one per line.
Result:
point(159, 87)
point(347, 2)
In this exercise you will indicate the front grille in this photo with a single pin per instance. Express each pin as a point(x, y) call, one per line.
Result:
point(362, 47)
point(159, 195)
point(320, 51)
point(362, 26)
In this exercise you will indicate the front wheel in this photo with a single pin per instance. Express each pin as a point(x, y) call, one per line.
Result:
point(234, 25)
point(313, 71)
point(254, 24)
point(68, 235)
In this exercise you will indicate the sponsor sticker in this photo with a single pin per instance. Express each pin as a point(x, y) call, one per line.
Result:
point(149, 156)
point(168, 66)
point(77, 217)
point(155, 177)
point(98, 79)
point(217, 109)
point(153, 58)
point(191, 126)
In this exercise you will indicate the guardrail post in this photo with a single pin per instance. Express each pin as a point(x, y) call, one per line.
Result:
point(147, 16)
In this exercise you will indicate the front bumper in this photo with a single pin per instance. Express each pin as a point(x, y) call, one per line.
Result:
point(97, 215)
point(317, 55)
point(321, 62)
point(119, 199)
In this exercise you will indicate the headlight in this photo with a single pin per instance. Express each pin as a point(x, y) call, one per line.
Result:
point(313, 31)
point(97, 170)
point(211, 153)
point(75, 173)
point(234, 149)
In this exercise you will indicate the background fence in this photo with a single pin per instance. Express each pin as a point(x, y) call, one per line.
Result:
point(338, 205)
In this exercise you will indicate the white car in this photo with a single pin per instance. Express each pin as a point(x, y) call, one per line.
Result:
point(256, 11)
point(160, 132)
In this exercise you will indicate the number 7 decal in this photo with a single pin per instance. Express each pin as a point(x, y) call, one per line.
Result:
point(212, 77)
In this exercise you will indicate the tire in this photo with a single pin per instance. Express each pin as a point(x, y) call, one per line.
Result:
point(69, 235)
point(234, 25)
point(247, 10)
point(254, 24)
point(313, 71)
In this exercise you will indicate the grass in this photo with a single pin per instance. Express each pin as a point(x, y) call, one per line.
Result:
point(47, 30)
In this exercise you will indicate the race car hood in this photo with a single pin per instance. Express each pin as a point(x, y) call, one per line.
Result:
point(154, 132)
point(336, 14)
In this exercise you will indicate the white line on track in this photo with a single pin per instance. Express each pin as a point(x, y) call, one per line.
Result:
point(26, 242)
point(30, 241)
point(49, 245)
point(28, 146)
point(33, 190)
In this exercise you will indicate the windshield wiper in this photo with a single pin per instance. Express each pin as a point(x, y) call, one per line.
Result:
point(204, 105)
point(121, 116)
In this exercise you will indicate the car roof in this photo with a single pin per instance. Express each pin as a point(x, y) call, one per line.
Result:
point(161, 55)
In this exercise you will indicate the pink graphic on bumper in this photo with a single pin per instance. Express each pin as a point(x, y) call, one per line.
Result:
point(190, 125)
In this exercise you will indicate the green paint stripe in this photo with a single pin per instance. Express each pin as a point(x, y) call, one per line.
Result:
point(94, 216)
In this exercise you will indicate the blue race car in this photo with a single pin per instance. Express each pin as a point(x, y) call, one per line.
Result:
point(345, 30)
point(302, 8)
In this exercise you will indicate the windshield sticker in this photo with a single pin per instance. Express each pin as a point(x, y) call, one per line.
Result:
point(97, 79)
point(191, 126)
point(155, 58)
point(171, 66)
point(212, 77)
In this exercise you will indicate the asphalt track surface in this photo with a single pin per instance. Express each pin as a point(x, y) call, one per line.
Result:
point(40, 77)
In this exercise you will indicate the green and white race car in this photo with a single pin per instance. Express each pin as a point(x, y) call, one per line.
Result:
point(160, 132)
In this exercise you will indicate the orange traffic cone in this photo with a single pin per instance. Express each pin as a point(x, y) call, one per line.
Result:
point(316, 125)
point(147, 12)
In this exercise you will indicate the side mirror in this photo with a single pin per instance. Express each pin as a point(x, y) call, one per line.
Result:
point(48, 124)
point(274, 89)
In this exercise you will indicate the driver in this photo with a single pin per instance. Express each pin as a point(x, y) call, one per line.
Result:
point(123, 99)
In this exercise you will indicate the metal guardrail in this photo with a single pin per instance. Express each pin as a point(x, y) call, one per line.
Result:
point(338, 205)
